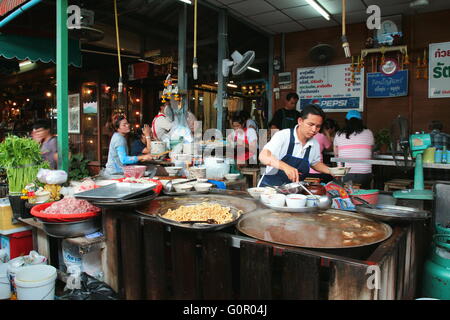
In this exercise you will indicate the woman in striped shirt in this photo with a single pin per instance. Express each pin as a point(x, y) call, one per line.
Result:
point(355, 141)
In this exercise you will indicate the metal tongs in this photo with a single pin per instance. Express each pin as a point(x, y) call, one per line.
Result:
point(170, 184)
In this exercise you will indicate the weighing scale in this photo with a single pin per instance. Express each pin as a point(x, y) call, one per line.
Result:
point(418, 143)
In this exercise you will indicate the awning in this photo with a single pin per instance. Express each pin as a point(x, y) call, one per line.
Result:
point(9, 5)
point(36, 49)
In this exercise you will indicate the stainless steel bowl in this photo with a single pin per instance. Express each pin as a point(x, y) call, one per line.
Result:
point(72, 229)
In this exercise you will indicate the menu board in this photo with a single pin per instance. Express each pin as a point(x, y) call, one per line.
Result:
point(331, 88)
point(439, 70)
point(380, 85)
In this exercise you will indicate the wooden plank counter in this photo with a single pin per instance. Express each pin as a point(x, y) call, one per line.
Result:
point(161, 262)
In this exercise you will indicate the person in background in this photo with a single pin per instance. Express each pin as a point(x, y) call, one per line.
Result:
point(325, 139)
point(244, 140)
point(142, 141)
point(161, 124)
point(290, 153)
point(249, 122)
point(41, 133)
point(287, 116)
point(118, 149)
point(191, 119)
point(439, 139)
point(355, 141)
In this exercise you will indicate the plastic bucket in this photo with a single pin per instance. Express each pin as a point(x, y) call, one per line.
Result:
point(15, 265)
point(371, 196)
point(36, 283)
point(5, 288)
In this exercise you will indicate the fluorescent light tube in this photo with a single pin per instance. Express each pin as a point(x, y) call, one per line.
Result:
point(253, 69)
point(186, 1)
point(25, 63)
point(319, 9)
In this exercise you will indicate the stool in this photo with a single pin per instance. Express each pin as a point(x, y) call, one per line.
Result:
point(254, 173)
point(397, 184)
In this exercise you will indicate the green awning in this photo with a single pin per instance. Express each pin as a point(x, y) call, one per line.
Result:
point(36, 49)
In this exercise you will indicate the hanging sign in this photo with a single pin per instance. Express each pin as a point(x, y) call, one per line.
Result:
point(380, 85)
point(439, 70)
point(330, 87)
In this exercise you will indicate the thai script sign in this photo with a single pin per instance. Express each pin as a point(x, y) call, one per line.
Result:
point(380, 85)
point(439, 70)
point(331, 87)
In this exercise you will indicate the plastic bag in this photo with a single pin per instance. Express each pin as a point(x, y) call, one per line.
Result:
point(42, 175)
point(90, 289)
point(52, 176)
point(339, 196)
point(56, 177)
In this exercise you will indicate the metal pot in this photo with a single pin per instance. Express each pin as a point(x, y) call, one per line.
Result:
point(157, 147)
point(72, 229)
point(216, 168)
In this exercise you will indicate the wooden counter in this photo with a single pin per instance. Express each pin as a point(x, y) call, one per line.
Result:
point(154, 261)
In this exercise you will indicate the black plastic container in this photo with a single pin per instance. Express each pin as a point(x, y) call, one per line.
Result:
point(18, 207)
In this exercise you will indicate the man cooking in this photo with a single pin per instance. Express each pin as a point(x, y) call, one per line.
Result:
point(291, 152)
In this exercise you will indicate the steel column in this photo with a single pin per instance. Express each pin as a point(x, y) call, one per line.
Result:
point(221, 92)
point(62, 90)
point(182, 26)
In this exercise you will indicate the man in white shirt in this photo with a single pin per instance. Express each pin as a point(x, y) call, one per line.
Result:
point(161, 125)
point(291, 152)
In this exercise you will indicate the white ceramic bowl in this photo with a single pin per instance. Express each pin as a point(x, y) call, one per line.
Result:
point(173, 171)
point(265, 197)
point(42, 196)
point(232, 176)
point(296, 200)
point(202, 180)
point(277, 200)
point(256, 192)
point(201, 187)
point(339, 171)
point(312, 201)
point(185, 187)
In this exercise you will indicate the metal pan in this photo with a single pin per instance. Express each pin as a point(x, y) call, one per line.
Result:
point(387, 212)
point(202, 226)
point(116, 191)
point(158, 207)
point(129, 203)
point(188, 193)
point(331, 229)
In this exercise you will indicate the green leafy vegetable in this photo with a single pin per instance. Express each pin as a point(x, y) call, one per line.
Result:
point(78, 167)
point(21, 158)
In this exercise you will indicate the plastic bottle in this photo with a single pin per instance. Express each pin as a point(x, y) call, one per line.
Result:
point(438, 156)
point(444, 155)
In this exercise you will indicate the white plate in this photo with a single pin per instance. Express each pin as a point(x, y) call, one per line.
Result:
point(287, 209)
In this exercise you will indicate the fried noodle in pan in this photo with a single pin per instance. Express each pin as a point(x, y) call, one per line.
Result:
point(201, 212)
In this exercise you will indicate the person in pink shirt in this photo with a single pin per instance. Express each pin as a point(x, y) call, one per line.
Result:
point(325, 138)
point(355, 141)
